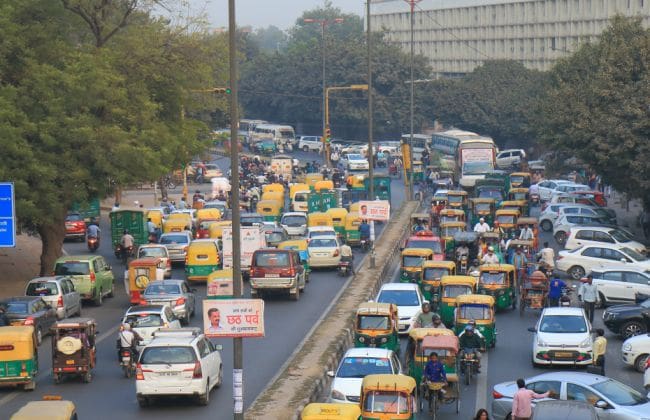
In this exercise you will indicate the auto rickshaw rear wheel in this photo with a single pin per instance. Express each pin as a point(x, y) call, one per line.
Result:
point(87, 377)
point(143, 401)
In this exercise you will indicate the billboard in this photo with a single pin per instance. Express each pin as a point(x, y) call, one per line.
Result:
point(374, 210)
point(233, 318)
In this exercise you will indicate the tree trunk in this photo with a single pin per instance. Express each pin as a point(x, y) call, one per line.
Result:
point(52, 236)
point(163, 187)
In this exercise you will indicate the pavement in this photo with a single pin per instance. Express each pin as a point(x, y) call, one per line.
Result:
point(19, 265)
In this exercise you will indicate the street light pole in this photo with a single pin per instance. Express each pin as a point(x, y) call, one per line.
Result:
point(371, 172)
point(238, 344)
point(412, 3)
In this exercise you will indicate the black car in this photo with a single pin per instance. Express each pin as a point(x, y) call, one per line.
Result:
point(30, 310)
point(629, 320)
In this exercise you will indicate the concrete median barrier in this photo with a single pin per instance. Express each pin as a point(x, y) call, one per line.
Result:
point(304, 378)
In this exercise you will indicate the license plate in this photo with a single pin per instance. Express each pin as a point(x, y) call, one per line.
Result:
point(272, 275)
point(563, 354)
point(69, 362)
point(167, 373)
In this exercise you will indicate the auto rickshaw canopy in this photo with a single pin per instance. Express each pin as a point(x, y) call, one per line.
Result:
point(17, 343)
point(325, 184)
point(338, 215)
point(269, 207)
point(272, 195)
point(208, 214)
point(475, 299)
point(442, 342)
point(145, 262)
point(527, 221)
point(417, 252)
point(377, 308)
point(319, 219)
point(330, 411)
point(295, 244)
point(216, 228)
point(418, 334)
point(273, 188)
point(388, 382)
point(458, 280)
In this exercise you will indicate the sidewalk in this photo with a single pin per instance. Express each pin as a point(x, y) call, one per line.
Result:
point(19, 265)
point(627, 219)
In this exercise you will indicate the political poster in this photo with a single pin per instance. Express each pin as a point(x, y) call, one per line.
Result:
point(233, 318)
point(374, 210)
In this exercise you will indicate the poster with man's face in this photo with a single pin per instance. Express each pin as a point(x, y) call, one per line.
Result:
point(233, 317)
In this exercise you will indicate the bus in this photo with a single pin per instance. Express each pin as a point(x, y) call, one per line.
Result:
point(476, 157)
point(420, 144)
point(282, 134)
point(446, 142)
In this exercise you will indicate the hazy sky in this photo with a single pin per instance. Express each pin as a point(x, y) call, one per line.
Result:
point(262, 13)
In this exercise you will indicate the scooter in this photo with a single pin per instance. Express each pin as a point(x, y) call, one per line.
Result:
point(366, 245)
point(93, 243)
point(344, 268)
point(127, 361)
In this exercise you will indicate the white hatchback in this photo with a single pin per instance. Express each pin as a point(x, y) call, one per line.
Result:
point(147, 319)
point(580, 261)
point(178, 362)
point(635, 351)
point(407, 297)
point(596, 235)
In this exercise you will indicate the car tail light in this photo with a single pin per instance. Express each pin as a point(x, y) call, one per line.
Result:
point(92, 277)
point(29, 321)
point(197, 373)
point(287, 272)
point(139, 372)
point(59, 302)
point(143, 302)
point(180, 301)
point(497, 395)
point(336, 253)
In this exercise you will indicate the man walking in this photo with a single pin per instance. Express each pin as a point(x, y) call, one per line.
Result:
point(588, 295)
point(521, 402)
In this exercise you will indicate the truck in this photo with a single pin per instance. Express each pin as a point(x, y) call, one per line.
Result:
point(476, 157)
point(252, 239)
point(90, 211)
point(135, 221)
point(282, 165)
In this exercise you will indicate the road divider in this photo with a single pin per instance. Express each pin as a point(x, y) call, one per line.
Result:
point(304, 378)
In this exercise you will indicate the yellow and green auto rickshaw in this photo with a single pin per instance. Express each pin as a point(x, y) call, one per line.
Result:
point(388, 397)
point(520, 180)
point(216, 228)
point(376, 325)
point(275, 196)
point(312, 179)
point(457, 199)
point(271, 210)
point(330, 411)
point(482, 208)
point(450, 288)
point(418, 171)
point(500, 282)
point(338, 219)
point(432, 273)
point(180, 217)
point(451, 215)
point(300, 246)
point(352, 234)
point(447, 349)
point(447, 232)
point(412, 260)
point(18, 357)
point(521, 193)
point(176, 225)
point(319, 219)
point(324, 185)
point(157, 216)
point(356, 182)
point(506, 220)
point(202, 259)
point(480, 309)
point(513, 205)
point(273, 188)
point(51, 408)
point(413, 357)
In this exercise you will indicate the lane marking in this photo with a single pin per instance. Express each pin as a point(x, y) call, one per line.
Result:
point(481, 384)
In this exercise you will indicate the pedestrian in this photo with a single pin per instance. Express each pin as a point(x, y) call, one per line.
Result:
point(555, 291)
point(588, 295)
point(482, 414)
point(645, 222)
point(521, 402)
point(547, 256)
point(599, 349)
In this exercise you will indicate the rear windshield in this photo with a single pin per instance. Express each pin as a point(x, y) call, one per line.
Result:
point(73, 218)
point(156, 289)
point(271, 259)
point(174, 239)
point(294, 221)
point(72, 269)
point(144, 320)
point(321, 242)
point(17, 307)
point(158, 251)
point(168, 355)
point(42, 288)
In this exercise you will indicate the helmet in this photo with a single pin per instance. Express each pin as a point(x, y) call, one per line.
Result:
point(490, 248)
point(469, 328)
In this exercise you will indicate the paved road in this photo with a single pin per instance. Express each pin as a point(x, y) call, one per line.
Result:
point(110, 395)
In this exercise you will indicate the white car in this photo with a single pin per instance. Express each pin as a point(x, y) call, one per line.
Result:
point(354, 366)
point(357, 163)
point(354, 149)
point(635, 351)
point(620, 285)
point(568, 188)
point(324, 251)
point(147, 319)
point(178, 362)
point(553, 212)
point(510, 157)
point(58, 292)
point(408, 299)
point(157, 251)
point(547, 187)
point(310, 144)
point(562, 337)
point(294, 223)
point(315, 231)
point(580, 261)
point(595, 235)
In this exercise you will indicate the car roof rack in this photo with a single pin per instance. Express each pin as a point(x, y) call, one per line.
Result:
point(178, 332)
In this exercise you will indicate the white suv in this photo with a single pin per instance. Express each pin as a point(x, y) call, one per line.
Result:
point(620, 285)
point(179, 361)
point(310, 144)
point(510, 157)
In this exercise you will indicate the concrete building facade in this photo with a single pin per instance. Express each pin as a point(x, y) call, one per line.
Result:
point(458, 35)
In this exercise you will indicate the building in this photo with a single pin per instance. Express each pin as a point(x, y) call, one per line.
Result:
point(458, 35)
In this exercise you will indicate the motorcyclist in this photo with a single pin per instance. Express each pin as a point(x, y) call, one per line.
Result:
point(127, 243)
point(469, 342)
point(93, 231)
point(364, 230)
point(346, 255)
point(128, 339)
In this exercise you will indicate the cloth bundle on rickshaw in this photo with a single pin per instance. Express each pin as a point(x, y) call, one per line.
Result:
point(538, 279)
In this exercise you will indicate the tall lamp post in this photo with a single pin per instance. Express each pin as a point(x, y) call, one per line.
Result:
point(412, 3)
point(323, 24)
point(371, 174)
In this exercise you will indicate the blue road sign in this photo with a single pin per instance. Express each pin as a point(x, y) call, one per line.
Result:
point(7, 215)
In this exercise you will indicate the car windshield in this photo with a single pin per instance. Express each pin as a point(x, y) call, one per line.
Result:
point(419, 243)
point(73, 218)
point(173, 239)
point(42, 288)
point(374, 322)
point(619, 393)
point(158, 251)
point(294, 221)
point(17, 308)
point(563, 324)
point(493, 278)
point(355, 157)
point(249, 220)
point(635, 255)
point(143, 320)
point(167, 355)
point(412, 261)
point(162, 289)
point(72, 269)
point(323, 243)
point(476, 168)
point(358, 367)
point(435, 273)
point(271, 259)
point(399, 297)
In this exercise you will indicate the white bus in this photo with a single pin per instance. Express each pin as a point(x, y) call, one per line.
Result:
point(447, 142)
point(420, 144)
point(282, 134)
point(476, 157)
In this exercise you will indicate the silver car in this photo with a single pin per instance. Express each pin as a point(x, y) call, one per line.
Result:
point(58, 292)
point(610, 398)
point(176, 244)
point(177, 294)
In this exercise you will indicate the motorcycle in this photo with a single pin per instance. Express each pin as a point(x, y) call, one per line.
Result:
point(366, 245)
point(93, 243)
point(123, 253)
point(127, 361)
point(344, 268)
point(469, 365)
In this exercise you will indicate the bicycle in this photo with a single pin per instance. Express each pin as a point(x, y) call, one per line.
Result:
point(430, 392)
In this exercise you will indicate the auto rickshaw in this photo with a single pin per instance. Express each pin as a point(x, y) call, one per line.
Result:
point(330, 411)
point(19, 357)
point(388, 397)
point(376, 325)
point(506, 220)
point(412, 261)
point(418, 171)
point(157, 216)
point(432, 272)
point(352, 223)
point(326, 184)
point(271, 210)
point(413, 357)
point(300, 246)
point(447, 232)
point(521, 193)
point(520, 180)
point(480, 309)
point(419, 222)
point(356, 182)
point(312, 179)
point(273, 195)
point(451, 215)
point(208, 214)
point(216, 228)
point(450, 288)
point(202, 259)
point(482, 208)
point(533, 222)
point(463, 261)
point(55, 407)
point(176, 225)
point(73, 348)
point(319, 219)
point(273, 188)
point(141, 271)
point(447, 348)
point(457, 199)
point(338, 219)
point(181, 216)
point(500, 282)
point(513, 205)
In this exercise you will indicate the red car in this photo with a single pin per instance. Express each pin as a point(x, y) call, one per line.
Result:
point(75, 227)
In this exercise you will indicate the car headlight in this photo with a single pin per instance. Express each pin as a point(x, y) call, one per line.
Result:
point(627, 346)
point(541, 343)
point(337, 395)
point(585, 343)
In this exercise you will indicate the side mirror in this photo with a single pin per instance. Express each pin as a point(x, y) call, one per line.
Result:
point(532, 329)
point(624, 260)
point(602, 405)
point(218, 347)
point(330, 373)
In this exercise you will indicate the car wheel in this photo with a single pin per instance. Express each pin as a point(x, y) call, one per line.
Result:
point(296, 296)
point(305, 149)
point(632, 328)
point(99, 298)
point(143, 402)
point(219, 378)
point(39, 336)
point(602, 301)
point(205, 398)
point(560, 237)
point(576, 272)
point(546, 225)
point(111, 293)
point(639, 363)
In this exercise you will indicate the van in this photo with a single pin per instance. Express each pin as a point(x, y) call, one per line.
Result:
point(91, 275)
point(277, 270)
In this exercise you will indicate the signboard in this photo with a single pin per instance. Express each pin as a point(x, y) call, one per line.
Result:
point(251, 237)
point(374, 210)
point(476, 155)
point(7, 215)
point(233, 318)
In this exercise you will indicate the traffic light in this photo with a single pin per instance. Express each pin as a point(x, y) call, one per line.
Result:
point(227, 91)
point(328, 135)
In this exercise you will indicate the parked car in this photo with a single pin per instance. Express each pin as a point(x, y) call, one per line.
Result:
point(510, 157)
point(562, 337)
point(91, 275)
point(635, 351)
point(595, 235)
point(564, 410)
point(628, 320)
point(569, 188)
point(324, 252)
point(178, 362)
point(407, 297)
point(176, 294)
point(147, 319)
point(176, 244)
point(564, 223)
point(620, 285)
point(58, 292)
point(357, 162)
point(580, 261)
point(547, 187)
point(610, 398)
point(30, 310)
point(355, 364)
point(157, 251)
point(310, 144)
point(554, 212)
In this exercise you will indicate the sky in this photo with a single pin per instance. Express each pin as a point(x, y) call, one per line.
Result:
point(262, 13)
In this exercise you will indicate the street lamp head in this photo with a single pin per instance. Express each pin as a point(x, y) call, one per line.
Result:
point(359, 87)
